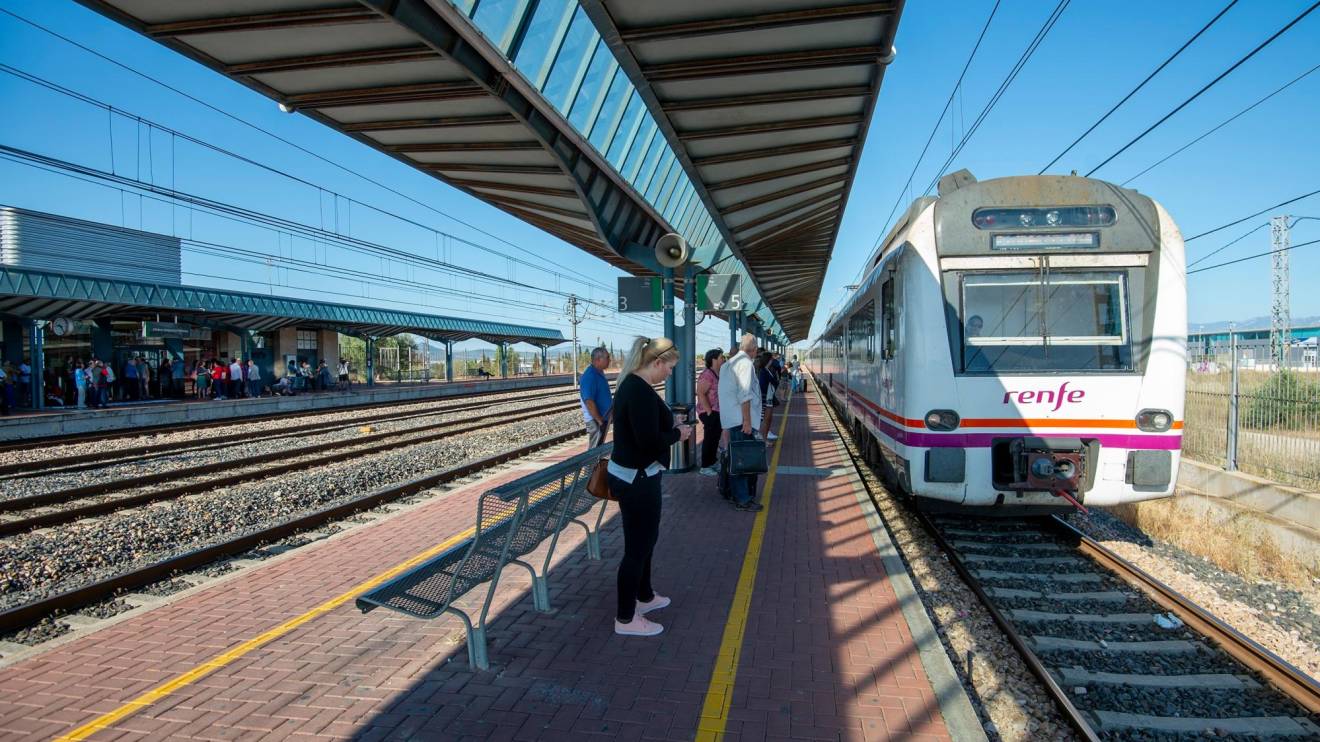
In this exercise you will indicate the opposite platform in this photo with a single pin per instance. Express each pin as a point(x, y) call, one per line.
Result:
point(784, 625)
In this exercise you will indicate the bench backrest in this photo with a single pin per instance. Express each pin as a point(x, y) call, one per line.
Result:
point(552, 495)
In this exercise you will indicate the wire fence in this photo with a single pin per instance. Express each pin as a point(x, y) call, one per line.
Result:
point(1262, 422)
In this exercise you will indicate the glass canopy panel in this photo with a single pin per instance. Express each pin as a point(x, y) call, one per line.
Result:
point(632, 117)
point(542, 32)
point(494, 18)
point(578, 42)
point(666, 193)
point(602, 63)
point(638, 148)
point(647, 169)
point(604, 125)
point(657, 178)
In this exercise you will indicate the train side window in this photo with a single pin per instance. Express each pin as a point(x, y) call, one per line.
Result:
point(888, 320)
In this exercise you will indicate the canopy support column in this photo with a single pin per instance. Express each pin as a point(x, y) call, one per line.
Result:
point(449, 360)
point(502, 350)
point(545, 355)
point(687, 387)
point(371, 361)
point(37, 341)
point(670, 392)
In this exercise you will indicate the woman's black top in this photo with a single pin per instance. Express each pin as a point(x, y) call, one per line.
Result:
point(643, 426)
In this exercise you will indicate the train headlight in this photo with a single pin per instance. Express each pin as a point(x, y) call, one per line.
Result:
point(1154, 421)
point(942, 420)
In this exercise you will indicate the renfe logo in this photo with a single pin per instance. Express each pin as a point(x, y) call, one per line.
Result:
point(1047, 396)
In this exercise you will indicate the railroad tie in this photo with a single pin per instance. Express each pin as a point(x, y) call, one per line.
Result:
point(990, 574)
point(1024, 616)
point(1169, 646)
point(1072, 676)
point(1260, 726)
point(1108, 596)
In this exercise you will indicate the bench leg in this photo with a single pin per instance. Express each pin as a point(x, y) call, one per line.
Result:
point(476, 641)
point(540, 591)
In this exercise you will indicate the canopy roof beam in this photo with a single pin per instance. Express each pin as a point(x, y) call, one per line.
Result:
point(756, 22)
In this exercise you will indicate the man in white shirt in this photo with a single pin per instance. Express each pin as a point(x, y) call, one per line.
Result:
point(235, 378)
point(740, 410)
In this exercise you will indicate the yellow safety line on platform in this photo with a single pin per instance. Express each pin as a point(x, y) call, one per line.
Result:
point(221, 660)
point(715, 711)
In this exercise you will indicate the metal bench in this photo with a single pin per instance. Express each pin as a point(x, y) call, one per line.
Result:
point(512, 520)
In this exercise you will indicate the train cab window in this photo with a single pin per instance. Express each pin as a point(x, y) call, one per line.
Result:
point(1044, 321)
point(888, 320)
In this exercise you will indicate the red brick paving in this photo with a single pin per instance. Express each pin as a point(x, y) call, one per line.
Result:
point(827, 654)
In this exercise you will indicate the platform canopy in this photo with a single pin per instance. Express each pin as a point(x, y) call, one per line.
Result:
point(39, 295)
point(768, 103)
point(570, 115)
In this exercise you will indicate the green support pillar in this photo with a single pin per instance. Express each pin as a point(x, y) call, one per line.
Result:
point(37, 341)
point(449, 360)
point(545, 360)
point(503, 349)
point(371, 361)
point(670, 392)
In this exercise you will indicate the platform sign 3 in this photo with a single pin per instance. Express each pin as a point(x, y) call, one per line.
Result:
point(719, 292)
point(644, 294)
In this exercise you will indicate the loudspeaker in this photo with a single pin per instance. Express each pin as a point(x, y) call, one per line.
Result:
point(672, 251)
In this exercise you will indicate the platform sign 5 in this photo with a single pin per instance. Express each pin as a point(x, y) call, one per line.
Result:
point(644, 294)
point(719, 292)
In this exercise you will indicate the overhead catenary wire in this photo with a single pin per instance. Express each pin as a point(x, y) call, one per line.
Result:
point(1206, 87)
point(1139, 86)
point(60, 89)
point(934, 129)
point(1236, 222)
point(1007, 82)
point(271, 134)
point(1222, 124)
point(1253, 257)
point(281, 226)
point(1222, 248)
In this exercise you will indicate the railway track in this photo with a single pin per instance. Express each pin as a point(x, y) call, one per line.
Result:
point(55, 440)
point(195, 479)
point(136, 454)
point(30, 613)
point(1122, 655)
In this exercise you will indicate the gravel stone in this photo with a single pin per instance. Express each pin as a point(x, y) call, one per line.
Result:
point(43, 631)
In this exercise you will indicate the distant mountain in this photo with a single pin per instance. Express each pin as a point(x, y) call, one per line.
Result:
point(1255, 323)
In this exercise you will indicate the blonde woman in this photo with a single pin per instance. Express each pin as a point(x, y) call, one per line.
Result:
point(644, 429)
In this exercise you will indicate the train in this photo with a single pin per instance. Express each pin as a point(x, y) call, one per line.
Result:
point(1017, 346)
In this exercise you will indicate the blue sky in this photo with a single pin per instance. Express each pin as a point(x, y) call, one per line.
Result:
point(1093, 56)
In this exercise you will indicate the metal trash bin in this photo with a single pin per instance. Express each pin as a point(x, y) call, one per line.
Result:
point(683, 454)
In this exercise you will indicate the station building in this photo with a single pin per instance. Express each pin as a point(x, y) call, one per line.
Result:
point(73, 290)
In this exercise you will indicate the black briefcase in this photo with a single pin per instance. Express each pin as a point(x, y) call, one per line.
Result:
point(747, 457)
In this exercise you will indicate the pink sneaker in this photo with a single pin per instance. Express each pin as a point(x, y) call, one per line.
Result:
point(654, 604)
point(639, 626)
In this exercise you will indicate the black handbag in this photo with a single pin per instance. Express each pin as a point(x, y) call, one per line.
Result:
point(747, 457)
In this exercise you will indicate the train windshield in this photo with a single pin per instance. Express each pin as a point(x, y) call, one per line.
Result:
point(1042, 321)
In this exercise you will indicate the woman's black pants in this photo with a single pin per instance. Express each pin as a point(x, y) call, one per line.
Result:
point(710, 438)
point(639, 509)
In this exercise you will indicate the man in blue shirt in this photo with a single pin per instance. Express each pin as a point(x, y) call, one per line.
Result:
point(596, 399)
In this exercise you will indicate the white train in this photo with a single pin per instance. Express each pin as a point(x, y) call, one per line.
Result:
point(1018, 344)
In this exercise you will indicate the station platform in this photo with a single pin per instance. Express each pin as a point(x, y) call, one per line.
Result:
point(29, 425)
point(795, 623)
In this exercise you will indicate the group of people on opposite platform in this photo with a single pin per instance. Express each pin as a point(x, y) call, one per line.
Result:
point(95, 383)
point(736, 397)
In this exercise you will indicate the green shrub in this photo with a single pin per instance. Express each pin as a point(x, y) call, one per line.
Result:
point(1286, 400)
